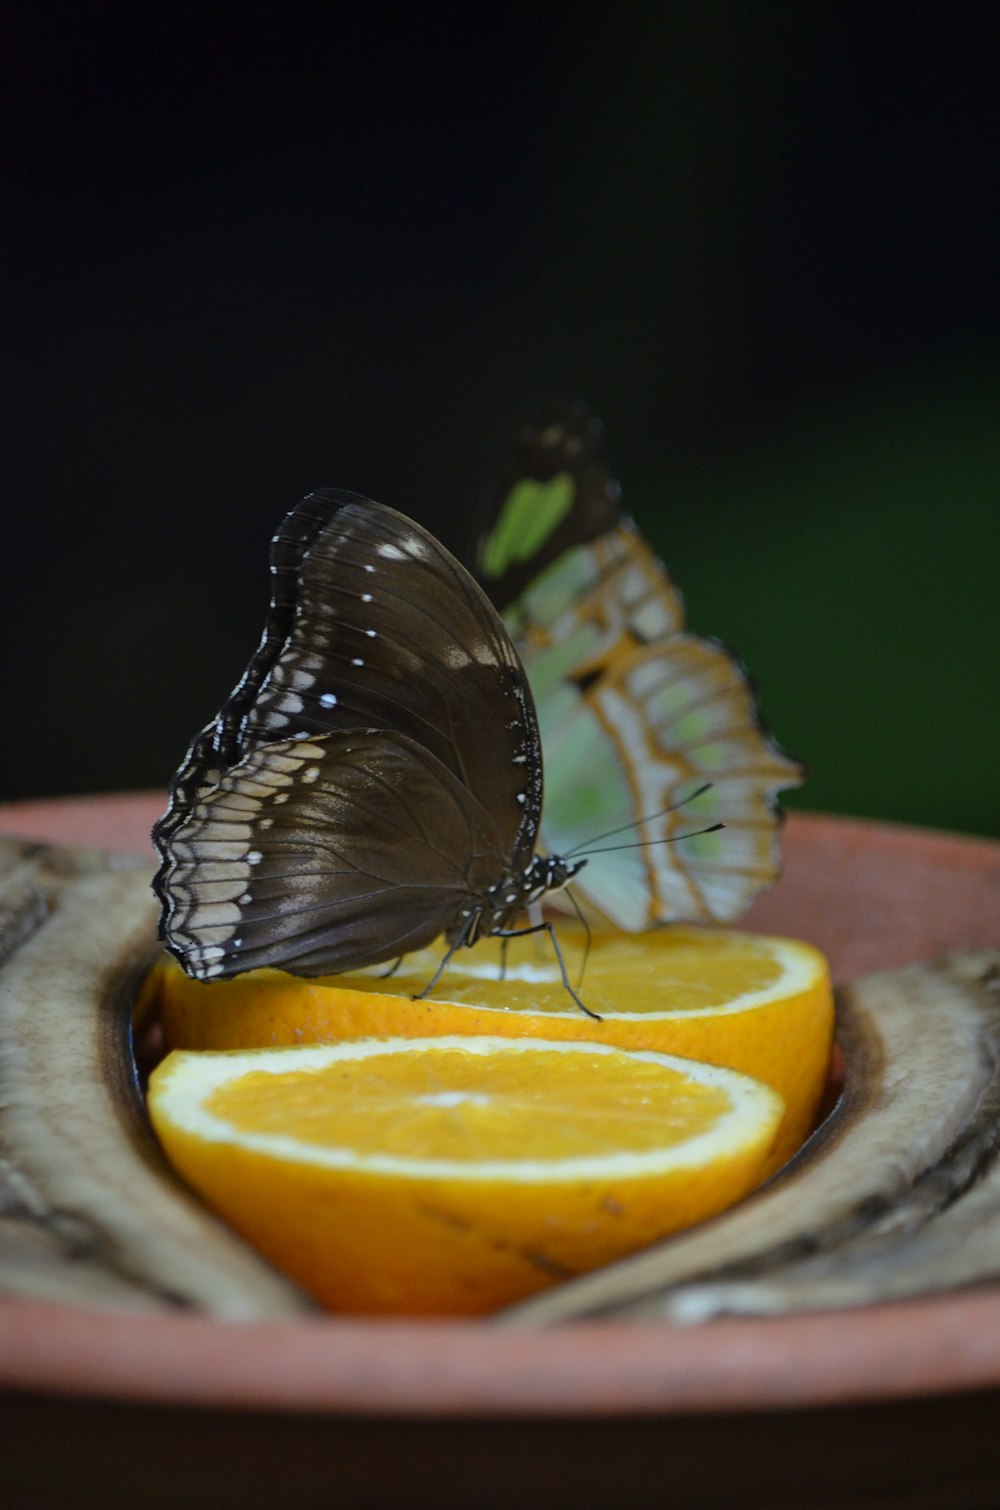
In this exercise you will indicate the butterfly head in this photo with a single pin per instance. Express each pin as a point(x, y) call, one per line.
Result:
point(502, 903)
point(550, 873)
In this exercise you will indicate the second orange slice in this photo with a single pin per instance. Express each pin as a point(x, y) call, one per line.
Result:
point(453, 1175)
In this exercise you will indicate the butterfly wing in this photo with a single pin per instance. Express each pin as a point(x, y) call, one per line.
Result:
point(664, 743)
point(635, 714)
point(554, 497)
point(374, 627)
point(322, 855)
point(374, 624)
point(554, 492)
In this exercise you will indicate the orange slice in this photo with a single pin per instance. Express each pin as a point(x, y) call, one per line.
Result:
point(753, 1003)
point(453, 1175)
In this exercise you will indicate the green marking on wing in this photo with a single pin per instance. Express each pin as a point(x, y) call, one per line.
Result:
point(703, 847)
point(529, 514)
point(566, 582)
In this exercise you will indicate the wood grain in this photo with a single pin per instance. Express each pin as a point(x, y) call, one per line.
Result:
point(89, 1212)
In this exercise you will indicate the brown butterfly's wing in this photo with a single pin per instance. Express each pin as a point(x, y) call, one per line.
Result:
point(325, 854)
point(374, 628)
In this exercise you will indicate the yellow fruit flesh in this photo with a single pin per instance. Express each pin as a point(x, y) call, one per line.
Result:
point(754, 1004)
point(442, 1177)
point(469, 1109)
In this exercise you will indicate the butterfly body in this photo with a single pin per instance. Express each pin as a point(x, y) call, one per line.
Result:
point(375, 778)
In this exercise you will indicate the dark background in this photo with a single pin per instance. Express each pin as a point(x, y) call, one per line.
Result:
point(256, 249)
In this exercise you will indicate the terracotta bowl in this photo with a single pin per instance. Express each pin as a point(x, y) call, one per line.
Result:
point(887, 1405)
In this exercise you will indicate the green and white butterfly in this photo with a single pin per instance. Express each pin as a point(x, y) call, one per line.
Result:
point(649, 732)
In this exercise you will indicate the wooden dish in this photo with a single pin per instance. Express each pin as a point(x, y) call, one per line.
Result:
point(888, 1404)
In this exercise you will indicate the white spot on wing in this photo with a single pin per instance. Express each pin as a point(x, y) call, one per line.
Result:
point(214, 915)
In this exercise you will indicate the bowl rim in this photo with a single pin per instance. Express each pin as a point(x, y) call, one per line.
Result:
point(896, 1350)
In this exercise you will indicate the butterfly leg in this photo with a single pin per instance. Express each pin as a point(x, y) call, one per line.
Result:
point(392, 968)
point(468, 932)
point(586, 928)
point(535, 918)
point(547, 927)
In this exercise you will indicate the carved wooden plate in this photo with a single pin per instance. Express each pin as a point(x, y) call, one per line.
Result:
point(143, 1393)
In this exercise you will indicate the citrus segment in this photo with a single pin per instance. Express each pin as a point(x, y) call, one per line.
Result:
point(454, 1175)
point(753, 1003)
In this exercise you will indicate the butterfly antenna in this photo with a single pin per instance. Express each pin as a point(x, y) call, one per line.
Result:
point(608, 849)
point(586, 928)
point(517, 933)
point(647, 818)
